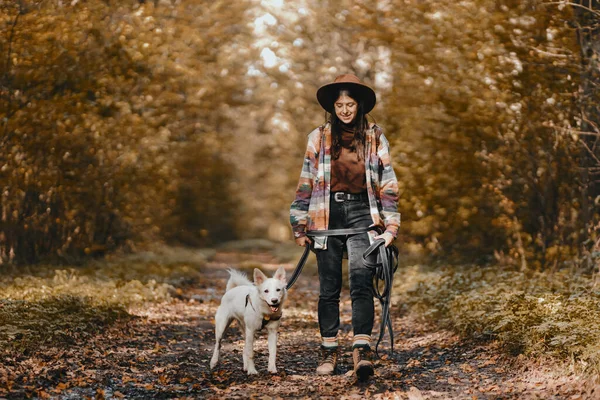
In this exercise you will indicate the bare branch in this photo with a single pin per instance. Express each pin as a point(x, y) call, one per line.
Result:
point(570, 3)
point(547, 53)
point(590, 152)
point(592, 123)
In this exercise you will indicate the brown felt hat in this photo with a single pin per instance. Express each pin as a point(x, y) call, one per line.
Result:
point(327, 94)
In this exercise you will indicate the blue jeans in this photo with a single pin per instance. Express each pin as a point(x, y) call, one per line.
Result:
point(347, 214)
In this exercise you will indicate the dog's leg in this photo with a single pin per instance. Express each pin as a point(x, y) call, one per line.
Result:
point(249, 352)
point(272, 347)
point(221, 323)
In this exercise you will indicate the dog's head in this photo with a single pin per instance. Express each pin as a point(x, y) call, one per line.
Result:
point(271, 290)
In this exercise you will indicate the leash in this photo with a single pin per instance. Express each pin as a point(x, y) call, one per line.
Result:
point(383, 272)
point(330, 232)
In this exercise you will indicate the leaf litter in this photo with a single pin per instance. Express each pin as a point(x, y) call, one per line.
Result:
point(161, 349)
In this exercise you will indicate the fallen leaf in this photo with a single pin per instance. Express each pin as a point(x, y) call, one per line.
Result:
point(60, 387)
point(42, 394)
point(467, 368)
point(488, 362)
point(414, 394)
point(413, 363)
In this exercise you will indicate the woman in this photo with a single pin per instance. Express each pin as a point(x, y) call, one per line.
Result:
point(347, 181)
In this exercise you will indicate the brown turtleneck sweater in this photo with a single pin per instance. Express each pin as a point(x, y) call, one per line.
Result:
point(347, 171)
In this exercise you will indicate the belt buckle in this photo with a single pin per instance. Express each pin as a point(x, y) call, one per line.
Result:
point(340, 198)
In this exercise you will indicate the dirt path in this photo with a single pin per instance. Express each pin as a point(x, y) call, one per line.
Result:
point(165, 351)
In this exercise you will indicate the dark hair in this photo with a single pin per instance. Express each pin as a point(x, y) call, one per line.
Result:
point(361, 124)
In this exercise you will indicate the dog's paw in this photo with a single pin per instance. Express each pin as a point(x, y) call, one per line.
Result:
point(273, 370)
point(213, 364)
point(252, 371)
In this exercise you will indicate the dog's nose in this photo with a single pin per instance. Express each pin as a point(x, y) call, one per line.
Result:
point(274, 301)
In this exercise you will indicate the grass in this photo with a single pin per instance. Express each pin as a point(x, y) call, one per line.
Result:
point(48, 306)
point(537, 314)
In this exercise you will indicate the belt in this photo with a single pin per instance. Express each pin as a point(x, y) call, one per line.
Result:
point(340, 197)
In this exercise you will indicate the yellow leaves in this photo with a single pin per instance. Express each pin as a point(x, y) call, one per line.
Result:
point(137, 56)
point(146, 84)
point(464, 214)
point(424, 226)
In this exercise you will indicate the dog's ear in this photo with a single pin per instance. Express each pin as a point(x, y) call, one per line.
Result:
point(280, 274)
point(259, 277)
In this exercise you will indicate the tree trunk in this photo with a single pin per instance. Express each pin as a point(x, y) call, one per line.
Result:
point(587, 19)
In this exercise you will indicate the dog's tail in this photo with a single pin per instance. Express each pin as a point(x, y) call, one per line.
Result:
point(237, 278)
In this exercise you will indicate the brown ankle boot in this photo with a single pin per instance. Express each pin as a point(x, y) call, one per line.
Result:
point(363, 362)
point(328, 361)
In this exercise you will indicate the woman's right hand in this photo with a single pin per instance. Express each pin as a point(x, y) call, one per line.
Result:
point(303, 241)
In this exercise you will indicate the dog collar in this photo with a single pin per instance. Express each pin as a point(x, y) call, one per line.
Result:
point(267, 318)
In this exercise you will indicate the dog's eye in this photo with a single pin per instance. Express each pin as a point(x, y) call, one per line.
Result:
point(279, 290)
point(266, 290)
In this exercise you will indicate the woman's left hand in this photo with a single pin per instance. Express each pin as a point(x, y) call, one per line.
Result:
point(387, 237)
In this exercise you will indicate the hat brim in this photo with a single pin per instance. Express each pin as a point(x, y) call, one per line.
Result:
point(327, 95)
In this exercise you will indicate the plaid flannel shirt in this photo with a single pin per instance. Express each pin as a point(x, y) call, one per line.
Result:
point(310, 209)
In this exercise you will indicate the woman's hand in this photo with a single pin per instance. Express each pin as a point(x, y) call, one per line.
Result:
point(385, 236)
point(303, 241)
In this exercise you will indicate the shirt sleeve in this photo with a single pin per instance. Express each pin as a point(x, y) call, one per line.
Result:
point(300, 205)
point(388, 188)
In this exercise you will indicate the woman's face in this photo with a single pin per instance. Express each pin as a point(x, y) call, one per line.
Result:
point(345, 108)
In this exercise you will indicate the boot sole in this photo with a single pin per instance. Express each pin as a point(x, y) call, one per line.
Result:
point(334, 372)
point(364, 372)
point(327, 373)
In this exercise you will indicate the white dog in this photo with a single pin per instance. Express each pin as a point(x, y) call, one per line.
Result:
point(254, 306)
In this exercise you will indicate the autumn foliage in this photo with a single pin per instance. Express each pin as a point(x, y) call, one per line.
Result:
point(102, 106)
point(132, 122)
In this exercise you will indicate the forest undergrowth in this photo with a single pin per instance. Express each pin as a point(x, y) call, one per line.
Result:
point(49, 305)
point(542, 315)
